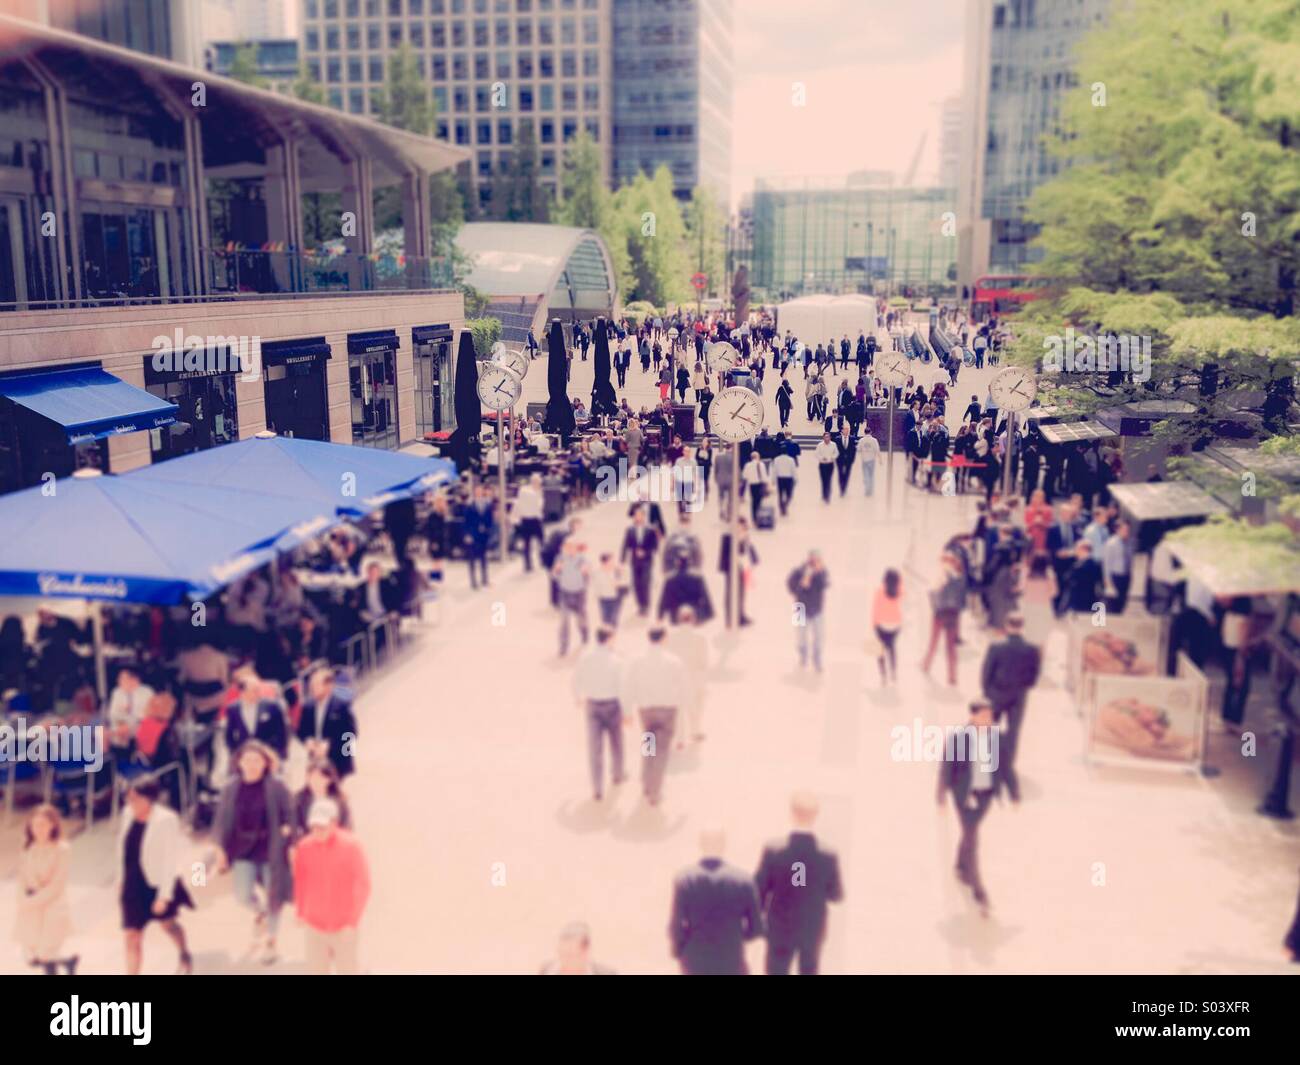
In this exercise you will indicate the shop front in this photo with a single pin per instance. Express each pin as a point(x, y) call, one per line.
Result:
point(434, 406)
point(293, 374)
point(207, 408)
point(372, 385)
point(57, 421)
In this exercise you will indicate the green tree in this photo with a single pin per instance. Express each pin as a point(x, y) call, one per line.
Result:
point(404, 101)
point(1178, 217)
point(647, 228)
point(306, 88)
point(706, 237)
point(584, 199)
point(243, 66)
point(517, 195)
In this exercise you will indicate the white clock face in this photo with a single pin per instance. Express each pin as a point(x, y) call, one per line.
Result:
point(737, 414)
point(515, 361)
point(722, 355)
point(893, 368)
point(498, 386)
point(1013, 389)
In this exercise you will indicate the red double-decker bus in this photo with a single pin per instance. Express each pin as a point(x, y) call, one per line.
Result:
point(1001, 294)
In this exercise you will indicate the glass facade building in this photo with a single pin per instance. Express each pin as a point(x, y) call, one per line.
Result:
point(673, 92)
point(823, 238)
point(1019, 66)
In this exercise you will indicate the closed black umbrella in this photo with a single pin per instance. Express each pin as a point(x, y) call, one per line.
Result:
point(463, 447)
point(603, 399)
point(559, 411)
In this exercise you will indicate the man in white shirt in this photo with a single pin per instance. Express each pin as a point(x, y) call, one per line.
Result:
point(1118, 565)
point(785, 470)
point(597, 685)
point(826, 453)
point(868, 453)
point(653, 686)
point(690, 645)
point(127, 704)
point(754, 477)
point(527, 512)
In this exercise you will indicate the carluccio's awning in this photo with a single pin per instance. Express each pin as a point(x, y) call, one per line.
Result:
point(88, 403)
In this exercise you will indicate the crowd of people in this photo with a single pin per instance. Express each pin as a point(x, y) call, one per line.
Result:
point(241, 730)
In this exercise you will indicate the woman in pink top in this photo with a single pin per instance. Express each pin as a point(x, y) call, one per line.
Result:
point(887, 620)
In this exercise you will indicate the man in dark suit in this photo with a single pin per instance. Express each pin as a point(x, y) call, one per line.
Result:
point(685, 588)
point(327, 727)
point(973, 781)
point(748, 558)
point(640, 543)
point(1062, 536)
point(796, 878)
point(937, 448)
point(715, 910)
point(917, 447)
point(846, 451)
point(255, 716)
point(1010, 669)
point(1083, 583)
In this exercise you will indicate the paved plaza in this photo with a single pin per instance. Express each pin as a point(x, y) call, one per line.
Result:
point(473, 800)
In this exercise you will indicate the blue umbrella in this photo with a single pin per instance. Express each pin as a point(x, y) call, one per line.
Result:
point(324, 478)
point(127, 540)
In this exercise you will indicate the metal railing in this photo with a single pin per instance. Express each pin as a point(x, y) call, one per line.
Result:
point(257, 275)
point(275, 272)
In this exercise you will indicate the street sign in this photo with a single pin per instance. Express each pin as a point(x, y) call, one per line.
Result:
point(700, 282)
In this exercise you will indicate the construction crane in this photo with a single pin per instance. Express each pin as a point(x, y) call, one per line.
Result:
point(916, 161)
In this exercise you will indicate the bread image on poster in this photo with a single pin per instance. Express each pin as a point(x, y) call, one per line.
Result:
point(1145, 719)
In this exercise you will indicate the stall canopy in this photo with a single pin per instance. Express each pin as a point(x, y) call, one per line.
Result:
point(1075, 432)
point(1245, 569)
point(124, 539)
point(1165, 501)
point(816, 319)
point(88, 403)
point(322, 478)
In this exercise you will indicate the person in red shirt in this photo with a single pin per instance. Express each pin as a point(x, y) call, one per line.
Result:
point(331, 885)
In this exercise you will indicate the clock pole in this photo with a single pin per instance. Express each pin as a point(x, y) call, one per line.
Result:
point(501, 486)
point(733, 584)
point(889, 460)
point(1006, 457)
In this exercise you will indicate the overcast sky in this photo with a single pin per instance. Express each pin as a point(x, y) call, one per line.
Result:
point(875, 72)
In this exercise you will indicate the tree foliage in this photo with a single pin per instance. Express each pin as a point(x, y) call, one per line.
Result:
point(1178, 217)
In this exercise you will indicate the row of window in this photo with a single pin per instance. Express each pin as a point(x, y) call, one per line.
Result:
point(547, 133)
point(482, 34)
point(436, 69)
point(484, 100)
point(399, 8)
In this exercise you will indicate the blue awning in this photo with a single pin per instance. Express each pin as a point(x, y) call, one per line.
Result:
point(89, 403)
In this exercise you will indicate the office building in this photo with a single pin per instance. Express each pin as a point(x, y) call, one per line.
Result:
point(1018, 67)
point(815, 236)
point(493, 65)
point(950, 119)
point(673, 92)
point(157, 292)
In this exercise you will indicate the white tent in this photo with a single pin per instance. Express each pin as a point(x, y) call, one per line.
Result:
point(816, 319)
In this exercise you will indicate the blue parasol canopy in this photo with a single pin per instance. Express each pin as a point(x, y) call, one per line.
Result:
point(328, 478)
point(128, 540)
